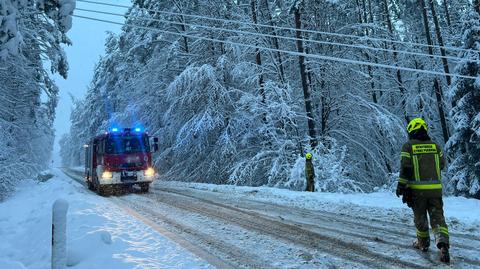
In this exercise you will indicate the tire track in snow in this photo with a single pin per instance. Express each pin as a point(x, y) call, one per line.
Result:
point(376, 223)
point(382, 231)
point(328, 221)
point(75, 175)
point(152, 218)
point(287, 232)
point(340, 225)
point(400, 228)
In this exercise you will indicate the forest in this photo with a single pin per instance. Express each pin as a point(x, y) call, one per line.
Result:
point(31, 35)
point(239, 91)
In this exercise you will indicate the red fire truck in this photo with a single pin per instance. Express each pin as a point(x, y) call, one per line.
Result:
point(119, 159)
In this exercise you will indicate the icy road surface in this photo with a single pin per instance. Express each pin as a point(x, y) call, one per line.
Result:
point(243, 227)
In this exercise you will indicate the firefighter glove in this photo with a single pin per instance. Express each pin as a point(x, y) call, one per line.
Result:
point(407, 197)
point(400, 189)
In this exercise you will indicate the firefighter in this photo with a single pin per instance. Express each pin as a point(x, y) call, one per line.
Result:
point(420, 186)
point(309, 172)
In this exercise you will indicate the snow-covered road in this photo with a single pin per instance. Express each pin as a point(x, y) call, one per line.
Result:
point(99, 234)
point(188, 225)
point(237, 230)
point(271, 235)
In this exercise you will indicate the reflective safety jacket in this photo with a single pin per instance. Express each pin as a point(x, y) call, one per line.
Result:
point(309, 171)
point(420, 168)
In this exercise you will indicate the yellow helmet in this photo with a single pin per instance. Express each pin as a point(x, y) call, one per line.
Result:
point(308, 156)
point(416, 124)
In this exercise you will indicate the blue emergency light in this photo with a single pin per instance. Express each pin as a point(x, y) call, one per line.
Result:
point(114, 129)
point(137, 129)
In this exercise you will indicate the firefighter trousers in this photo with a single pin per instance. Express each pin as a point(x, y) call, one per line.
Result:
point(310, 185)
point(434, 208)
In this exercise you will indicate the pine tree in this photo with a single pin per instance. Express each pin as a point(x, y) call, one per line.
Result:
point(465, 93)
point(28, 95)
point(259, 125)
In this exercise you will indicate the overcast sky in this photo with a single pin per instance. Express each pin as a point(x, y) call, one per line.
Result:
point(88, 39)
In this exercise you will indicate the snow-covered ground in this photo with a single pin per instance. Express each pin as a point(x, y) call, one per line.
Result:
point(100, 235)
point(378, 222)
point(456, 209)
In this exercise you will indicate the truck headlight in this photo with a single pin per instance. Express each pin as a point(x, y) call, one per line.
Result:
point(150, 172)
point(107, 174)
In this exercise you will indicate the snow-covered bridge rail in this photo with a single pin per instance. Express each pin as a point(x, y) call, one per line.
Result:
point(242, 232)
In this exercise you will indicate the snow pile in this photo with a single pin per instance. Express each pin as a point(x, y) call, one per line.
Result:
point(99, 233)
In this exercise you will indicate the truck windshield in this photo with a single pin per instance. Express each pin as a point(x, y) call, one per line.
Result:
point(126, 144)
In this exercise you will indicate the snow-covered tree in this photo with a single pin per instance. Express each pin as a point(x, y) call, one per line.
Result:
point(248, 115)
point(464, 144)
point(30, 36)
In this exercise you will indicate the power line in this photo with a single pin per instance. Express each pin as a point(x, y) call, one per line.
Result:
point(281, 27)
point(315, 56)
point(275, 36)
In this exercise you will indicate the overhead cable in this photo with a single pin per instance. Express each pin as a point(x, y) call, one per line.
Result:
point(274, 36)
point(280, 27)
point(294, 53)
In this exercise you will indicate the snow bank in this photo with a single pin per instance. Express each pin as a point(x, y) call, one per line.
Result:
point(99, 234)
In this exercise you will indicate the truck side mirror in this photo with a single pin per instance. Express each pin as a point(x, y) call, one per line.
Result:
point(155, 144)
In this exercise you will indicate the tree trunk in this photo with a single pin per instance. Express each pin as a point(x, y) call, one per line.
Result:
point(401, 87)
point(321, 22)
point(371, 20)
point(303, 75)
point(369, 68)
point(419, 87)
point(436, 85)
point(258, 56)
point(362, 18)
point(447, 13)
point(181, 19)
point(276, 45)
point(325, 111)
point(438, 32)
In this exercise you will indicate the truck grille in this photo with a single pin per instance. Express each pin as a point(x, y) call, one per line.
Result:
point(128, 176)
point(131, 165)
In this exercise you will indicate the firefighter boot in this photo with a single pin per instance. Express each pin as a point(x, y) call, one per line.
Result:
point(421, 245)
point(444, 255)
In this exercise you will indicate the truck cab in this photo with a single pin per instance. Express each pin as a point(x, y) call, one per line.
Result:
point(120, 159)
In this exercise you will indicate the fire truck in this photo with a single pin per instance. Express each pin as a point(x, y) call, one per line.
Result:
point(119, 159)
